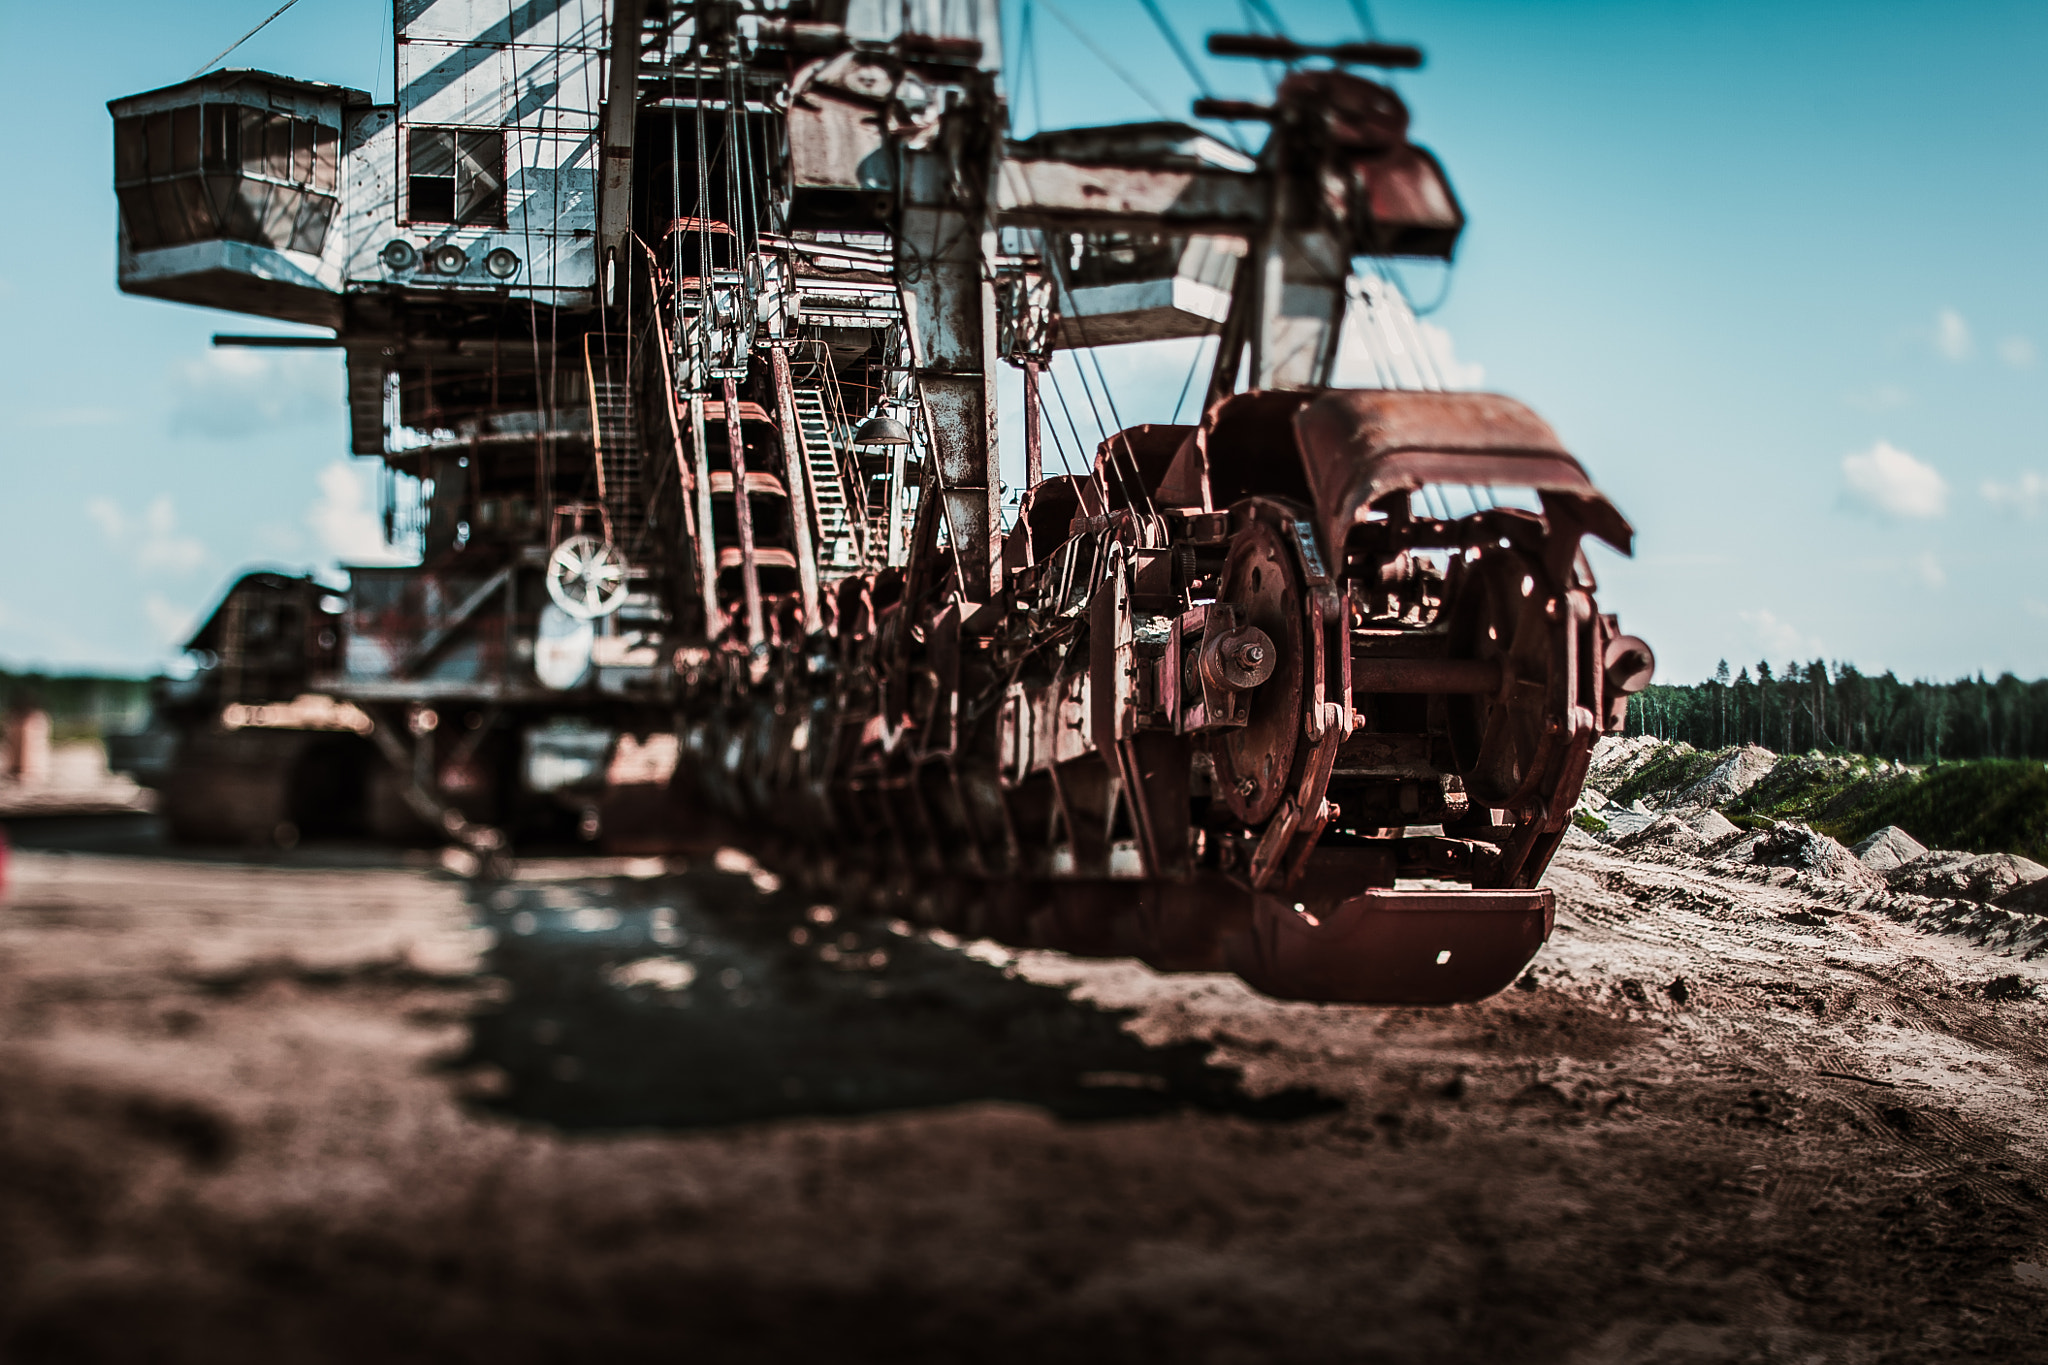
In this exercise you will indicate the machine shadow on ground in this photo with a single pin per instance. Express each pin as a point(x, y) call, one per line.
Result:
point(694, 1001)
point(139, 835)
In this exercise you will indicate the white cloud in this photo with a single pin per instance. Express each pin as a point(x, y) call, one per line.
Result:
point(172, 623)
point(152, 538)
point(1887, 480)
point(279, 540)
point(1779, 636)
point(161, 547)
point(343, 520)
point(235, 391)
point(2017, 352)
point(2024, 495)
point(1456, 373)
point(1381, 340)
point(1928, 569)
point(1952, 336)
point(107, 517)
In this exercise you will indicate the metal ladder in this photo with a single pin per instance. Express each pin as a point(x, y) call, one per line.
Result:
point(838, 537)
point(617, 438)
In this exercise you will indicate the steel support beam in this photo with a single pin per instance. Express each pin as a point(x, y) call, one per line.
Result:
point(743, 516)
point(796, 471)
point(945, 257)
point(621, 115)
point(1298, 308)
point(1034, 453)
point(707, 542)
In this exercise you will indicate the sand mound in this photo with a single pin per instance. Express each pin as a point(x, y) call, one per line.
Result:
point(2028, 897)
point(1665, 832)
point(1787, 844)
point(1712, 826)
point(1888, 850)
point(1623, 821)
point(1616, 759)
point(1731, 777)
point(1966, 876)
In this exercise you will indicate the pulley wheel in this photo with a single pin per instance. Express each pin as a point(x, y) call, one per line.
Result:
point(1255, 763)
point(587, 577)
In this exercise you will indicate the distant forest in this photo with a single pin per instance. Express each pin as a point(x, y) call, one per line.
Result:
point(1838, 709)
point(80, 705)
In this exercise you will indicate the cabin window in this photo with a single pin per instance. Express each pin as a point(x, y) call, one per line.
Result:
point(206, 172)
point(455, 175)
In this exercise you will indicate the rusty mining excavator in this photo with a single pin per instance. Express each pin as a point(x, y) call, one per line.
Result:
point(1304, 690)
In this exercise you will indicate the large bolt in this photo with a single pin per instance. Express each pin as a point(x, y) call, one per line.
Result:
point(1238, 660)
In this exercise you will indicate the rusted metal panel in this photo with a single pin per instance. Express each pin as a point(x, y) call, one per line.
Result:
point(1066, 195)
point(1359, 446)
point(842, 163)
point(1394, 947)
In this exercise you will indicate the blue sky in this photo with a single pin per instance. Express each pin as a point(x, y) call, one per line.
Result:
point(1773, 271)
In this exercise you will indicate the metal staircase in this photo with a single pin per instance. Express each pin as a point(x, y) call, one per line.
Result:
point(617, 438)
point(839, 534)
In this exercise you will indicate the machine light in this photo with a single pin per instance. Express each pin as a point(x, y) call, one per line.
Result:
point(398, 255)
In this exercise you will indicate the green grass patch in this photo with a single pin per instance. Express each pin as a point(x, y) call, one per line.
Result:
point(1827, 791)
point(1680, 765)
point(1592, 824)
point(1985, 805)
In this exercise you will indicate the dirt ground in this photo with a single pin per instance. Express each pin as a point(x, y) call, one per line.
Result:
point(332, 1107)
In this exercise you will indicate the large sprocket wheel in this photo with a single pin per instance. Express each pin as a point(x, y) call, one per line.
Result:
point(1255, 763)
point(587, 577)
point(1498, 615)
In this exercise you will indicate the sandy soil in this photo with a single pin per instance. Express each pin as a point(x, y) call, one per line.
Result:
point(304, 1111)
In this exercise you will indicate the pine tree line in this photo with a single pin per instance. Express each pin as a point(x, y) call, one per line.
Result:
point(79, 704)
point(1812, 706)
